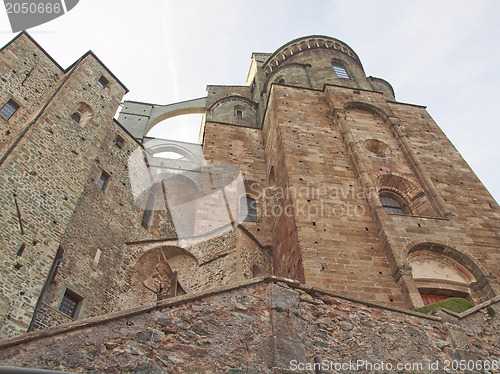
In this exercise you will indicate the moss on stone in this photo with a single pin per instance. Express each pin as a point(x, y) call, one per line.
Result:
point(454, 304)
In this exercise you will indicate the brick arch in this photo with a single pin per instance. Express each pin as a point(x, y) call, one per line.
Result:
point(398, 184)
point(411, 193)
point(479, 288)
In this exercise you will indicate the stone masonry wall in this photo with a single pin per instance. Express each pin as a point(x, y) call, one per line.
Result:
point(275, 327)
point(28, 76)
point(339, 243)
point(35, 176)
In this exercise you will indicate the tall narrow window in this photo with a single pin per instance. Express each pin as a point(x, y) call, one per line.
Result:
point(103, 180)
point(148, 211)
point(340, 71)
point(239, 114)
point(70, 303)
point(9, 109)
point(248, 209)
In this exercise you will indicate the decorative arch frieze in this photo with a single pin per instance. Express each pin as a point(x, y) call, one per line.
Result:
point(300, 45)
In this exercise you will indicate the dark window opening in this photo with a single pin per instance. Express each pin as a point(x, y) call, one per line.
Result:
point(393, 203)
point(119, 141)
point(75, 117)
point(102, 82)
point(248, 209)
point(148, 211)
point(239, 114)
point(9, 109)
point(281, 81)
point(340, 71)
point(103, 180)
point(70, 303)
point(146, 218)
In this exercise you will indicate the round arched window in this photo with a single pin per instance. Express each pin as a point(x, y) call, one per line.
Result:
point(394, 203)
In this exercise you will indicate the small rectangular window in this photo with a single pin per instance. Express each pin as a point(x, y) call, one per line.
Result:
point(340, 71)
point(119, 141)
point(103, 180)
point(102, 82)
point(70, 303)
point(9, 109)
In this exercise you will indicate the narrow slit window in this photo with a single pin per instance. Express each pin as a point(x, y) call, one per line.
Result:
point(70, 303)
point(148, 211)
point(102, 82)
point(103, 180)
point(340, 71)
point(239, 114)
point(9, 108)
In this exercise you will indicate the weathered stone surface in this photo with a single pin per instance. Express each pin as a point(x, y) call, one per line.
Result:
point(277, 332)
point(319, 152)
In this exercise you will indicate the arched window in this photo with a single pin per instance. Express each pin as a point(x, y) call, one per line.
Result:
point(340, 70)
point(248, 209)
point(239, 114)
point(82, 115)
point(281, 80)
point(393, 203)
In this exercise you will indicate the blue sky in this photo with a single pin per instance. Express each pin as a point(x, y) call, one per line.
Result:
point(442, 54)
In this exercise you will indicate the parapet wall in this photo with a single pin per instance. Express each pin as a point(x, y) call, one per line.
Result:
point(267, 325)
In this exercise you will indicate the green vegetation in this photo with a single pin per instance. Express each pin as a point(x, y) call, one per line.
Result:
point(455, 304)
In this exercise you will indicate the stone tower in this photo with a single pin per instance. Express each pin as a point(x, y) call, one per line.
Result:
point(312, 171)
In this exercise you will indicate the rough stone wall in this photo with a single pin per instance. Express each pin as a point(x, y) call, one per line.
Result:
point(92, 227)
point(28, 76)
point(263, 327)
point(253, 259)
point(35, 173)
point(242, 147)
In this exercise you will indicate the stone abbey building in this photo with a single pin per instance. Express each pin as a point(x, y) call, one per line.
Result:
point(311, 185)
